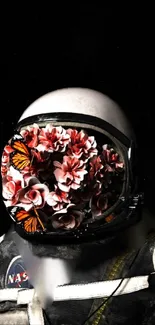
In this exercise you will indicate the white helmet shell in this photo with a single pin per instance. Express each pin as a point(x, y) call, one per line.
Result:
point(81, 101)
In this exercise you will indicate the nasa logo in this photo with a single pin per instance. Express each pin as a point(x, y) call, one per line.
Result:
point(16, 275)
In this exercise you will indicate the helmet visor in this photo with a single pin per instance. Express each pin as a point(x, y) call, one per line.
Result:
point(64, 181)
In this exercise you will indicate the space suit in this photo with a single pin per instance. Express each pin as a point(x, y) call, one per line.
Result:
point(80, 239)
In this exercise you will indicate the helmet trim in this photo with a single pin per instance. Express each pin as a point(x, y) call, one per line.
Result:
point(43, 119)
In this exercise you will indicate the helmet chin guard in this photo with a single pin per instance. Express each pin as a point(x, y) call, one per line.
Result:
point(68, 173)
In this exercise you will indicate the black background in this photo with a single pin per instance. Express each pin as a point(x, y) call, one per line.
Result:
point(107, 48)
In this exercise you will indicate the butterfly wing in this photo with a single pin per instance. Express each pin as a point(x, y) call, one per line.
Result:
point(28, 218)
point(20, 157)
point(18, 144)
point(31, 225)
point(22, 215)
point(18, 214)
point(19, 161)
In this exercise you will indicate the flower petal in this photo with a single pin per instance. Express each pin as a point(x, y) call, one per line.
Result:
point(41, 147)
point(60, 175)
point(64, 187)
point(75, 186)
point(50, 201)
point(57, 164)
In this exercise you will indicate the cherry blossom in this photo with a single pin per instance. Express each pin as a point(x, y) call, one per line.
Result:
point(57, 198)
point(70, 173)
point(53, 138)
point(10, 190)
point(33, 195)
point(81, 145)
point(30, 134)
point(99, 204)
point(67, 218)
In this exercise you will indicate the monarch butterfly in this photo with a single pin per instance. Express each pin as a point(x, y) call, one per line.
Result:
point(109, 218)
point(29, 219)
point(20, 157)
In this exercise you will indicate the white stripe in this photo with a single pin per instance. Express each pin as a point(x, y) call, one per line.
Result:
point(35, 313)
point(8, 294)
point(80, 292)
point(100, 289)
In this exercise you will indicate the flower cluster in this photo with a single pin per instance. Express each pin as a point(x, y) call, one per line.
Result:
point(67, 177)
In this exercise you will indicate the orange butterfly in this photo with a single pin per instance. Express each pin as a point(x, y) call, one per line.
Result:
point(20, 157)
point(30, 219)
point(109, 218)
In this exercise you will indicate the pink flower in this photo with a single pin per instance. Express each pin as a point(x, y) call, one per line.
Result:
point(40, 157)
point(10, 190)
point(99, 204)
point(53, 138)
point(111, 159)
point(119, 165)
point(81, 145)
point(70, 173)
point(15, 174)
point(67, 219)
point(3, 170)
point(40, 163)
point(95, 166)
point(33, 195)
point(5, 159)
point(5, 156)
point(30, 134)
point(57, 198)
